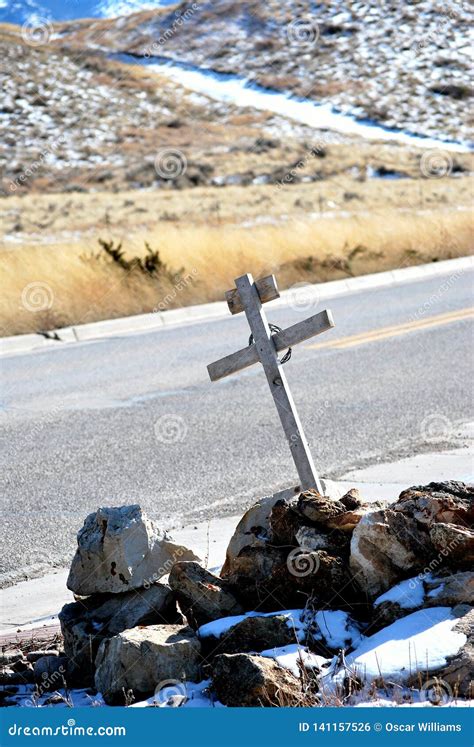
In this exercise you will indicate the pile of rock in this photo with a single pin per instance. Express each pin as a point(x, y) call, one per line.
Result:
point(306, 580)
point(121, 556)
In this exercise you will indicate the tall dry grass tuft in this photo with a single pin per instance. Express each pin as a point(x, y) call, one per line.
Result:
point(44, 288)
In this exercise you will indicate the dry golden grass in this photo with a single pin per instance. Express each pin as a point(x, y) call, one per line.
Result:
point(45, 287)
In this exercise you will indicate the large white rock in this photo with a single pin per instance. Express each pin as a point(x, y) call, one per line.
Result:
point(120, 549)
point(145, 658)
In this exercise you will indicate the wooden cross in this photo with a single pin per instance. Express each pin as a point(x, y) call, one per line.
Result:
point(249, 296)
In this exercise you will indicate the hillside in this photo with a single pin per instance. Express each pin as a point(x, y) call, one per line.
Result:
point(405, 65)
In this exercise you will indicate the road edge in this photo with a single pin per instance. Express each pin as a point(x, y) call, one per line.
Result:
point(298, 295)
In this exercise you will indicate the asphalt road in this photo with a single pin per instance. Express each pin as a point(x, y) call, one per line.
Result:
point(135, 419)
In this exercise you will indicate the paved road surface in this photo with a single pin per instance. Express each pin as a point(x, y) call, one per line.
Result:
point(136, 419)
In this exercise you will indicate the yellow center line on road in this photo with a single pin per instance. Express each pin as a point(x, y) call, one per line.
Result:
point(397, 329)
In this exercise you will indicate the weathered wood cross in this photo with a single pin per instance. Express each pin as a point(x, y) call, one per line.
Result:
point(249, 296)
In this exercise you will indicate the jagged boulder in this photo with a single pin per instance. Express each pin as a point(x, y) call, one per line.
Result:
point(202, 596)
point(120, 549)
point(145, 659)
point(245, 680)
point(426, 525)
point(86, 623)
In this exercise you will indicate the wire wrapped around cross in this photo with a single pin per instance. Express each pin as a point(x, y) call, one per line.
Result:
point(274, 329)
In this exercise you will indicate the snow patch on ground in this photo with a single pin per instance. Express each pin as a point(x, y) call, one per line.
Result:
point(408, 594)
point(188, 695)
point(422, 641)
point(337, 629)
point(290, 656)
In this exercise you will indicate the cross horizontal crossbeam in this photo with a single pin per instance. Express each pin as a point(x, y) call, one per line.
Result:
point(246, 357)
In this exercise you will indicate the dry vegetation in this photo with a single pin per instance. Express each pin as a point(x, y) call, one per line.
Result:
point(197, 260)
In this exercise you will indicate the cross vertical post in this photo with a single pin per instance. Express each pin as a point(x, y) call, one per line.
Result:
point(278, 384)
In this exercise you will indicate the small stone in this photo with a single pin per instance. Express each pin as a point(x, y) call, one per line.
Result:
point(311, 538)
point(352, 499)
point(284, 522)
point(318, 508)
point(144, 658)
point(9, 656)
point(50, 672)
point(245, 680)
point(202, 596)
point(250, 634)
point(120, 549)
point(33, 656)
